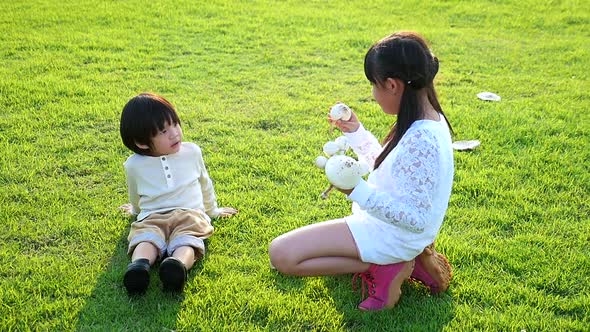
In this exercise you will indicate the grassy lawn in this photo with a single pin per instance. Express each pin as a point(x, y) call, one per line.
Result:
point(252, 82)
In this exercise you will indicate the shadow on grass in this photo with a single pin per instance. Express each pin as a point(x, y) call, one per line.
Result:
point(109, 308)
point(417, 310)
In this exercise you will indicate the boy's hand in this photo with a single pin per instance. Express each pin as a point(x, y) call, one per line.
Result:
point(225, 212)
point(127, 208)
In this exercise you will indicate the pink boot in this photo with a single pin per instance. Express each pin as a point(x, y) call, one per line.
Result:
point(384, 282)
point(433, 270)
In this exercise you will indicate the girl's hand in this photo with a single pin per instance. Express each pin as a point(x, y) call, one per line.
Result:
point(127, 208)
point(225, 212)
point(344, 191)
point(349, 126)
point(331, 187)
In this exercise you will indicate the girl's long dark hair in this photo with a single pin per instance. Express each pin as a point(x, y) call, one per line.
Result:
point(406, 56)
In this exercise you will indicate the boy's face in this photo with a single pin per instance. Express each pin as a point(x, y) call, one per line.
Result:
point(167, 141)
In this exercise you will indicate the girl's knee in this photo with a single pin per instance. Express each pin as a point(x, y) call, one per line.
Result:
point(280, 256)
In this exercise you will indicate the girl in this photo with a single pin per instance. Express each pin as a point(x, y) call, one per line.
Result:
point(397, 213)
point(170, 192)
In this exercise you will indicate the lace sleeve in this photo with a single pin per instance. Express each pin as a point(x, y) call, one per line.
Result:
point(364, 145)
point(414, 179)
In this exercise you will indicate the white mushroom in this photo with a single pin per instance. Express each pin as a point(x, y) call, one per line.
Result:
point(331, 148)
point(340, 112)
point(342, 143)
point(364, 168)
point(343, 172)
point(320, 161)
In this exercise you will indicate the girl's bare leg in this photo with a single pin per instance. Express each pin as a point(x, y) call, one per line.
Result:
point(326, 248)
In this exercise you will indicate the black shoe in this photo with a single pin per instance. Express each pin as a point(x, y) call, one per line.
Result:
point(173, 274)
point(137, 277)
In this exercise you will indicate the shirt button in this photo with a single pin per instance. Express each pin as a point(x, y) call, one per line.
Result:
point(169, 176)
point(164, 158)
point(166, 167)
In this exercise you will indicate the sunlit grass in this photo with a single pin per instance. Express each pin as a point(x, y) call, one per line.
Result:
point(252, 82)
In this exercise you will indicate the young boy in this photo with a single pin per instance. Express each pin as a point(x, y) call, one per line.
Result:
point(169, 191)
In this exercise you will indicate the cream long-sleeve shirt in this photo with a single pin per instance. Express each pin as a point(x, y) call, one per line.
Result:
point(169, 182)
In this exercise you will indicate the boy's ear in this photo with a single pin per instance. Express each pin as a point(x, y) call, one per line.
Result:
point(142, 146)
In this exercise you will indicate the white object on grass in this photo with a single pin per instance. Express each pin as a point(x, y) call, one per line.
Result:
point(340, 112)
point(465, 145)
point(342, 143)
point(331, 148)
point(364, 168)
point(320, 161)
point(489, 96)
point(343, 171)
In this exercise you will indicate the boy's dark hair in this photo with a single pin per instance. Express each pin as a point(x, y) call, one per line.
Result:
point(142, 118)
point(406, 56)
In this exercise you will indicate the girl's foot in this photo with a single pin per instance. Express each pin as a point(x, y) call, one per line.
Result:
point(137, 277)
point(173, 274)
point(384, 283)
point(433, 270)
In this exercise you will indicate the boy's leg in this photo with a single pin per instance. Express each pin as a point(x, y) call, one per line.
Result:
point(186, 255)
point(186, 244)
point(189, 229)
point(146, 243)
point(174, 269)
point(137, 276)
point(326, 248)
point(145, 250)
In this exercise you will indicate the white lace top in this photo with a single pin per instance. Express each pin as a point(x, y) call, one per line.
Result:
point(411, 188)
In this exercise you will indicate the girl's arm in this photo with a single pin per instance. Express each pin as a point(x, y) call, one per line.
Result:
point(365, 145)
point(362, 142)
point(414, 178)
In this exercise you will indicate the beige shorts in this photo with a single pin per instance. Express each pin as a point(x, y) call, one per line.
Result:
point(170, 230)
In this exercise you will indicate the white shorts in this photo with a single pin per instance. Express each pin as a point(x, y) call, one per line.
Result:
point(380, 243)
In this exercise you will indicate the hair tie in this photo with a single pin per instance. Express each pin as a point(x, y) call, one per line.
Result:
point(433, 68)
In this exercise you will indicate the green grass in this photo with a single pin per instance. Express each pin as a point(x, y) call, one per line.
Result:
point(252, 82)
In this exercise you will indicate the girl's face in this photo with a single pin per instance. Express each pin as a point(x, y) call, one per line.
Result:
point(167, 141)
point(387, 95)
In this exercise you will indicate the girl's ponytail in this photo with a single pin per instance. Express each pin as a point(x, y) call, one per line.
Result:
point(404, 56)
point(407, 115)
